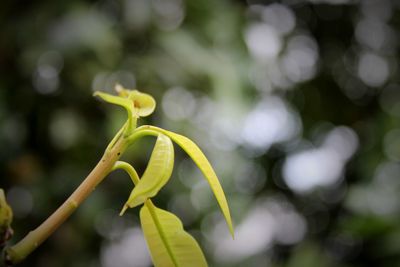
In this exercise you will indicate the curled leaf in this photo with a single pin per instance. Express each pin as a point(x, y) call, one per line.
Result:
point(157, 173)
point(136, 103)
point(201, 161)
point(144, 103)
point(169, 244)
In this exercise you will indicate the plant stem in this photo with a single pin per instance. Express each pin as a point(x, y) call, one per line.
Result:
point(34, 238)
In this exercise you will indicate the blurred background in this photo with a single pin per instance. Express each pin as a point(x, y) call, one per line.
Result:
point(295, 102)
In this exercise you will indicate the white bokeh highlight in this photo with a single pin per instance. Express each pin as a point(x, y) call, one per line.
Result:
point(320, 166)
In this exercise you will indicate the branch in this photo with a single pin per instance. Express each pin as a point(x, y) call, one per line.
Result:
point(33, 239)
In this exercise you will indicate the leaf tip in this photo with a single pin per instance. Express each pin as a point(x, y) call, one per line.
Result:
point(135, 201)
point(232, 232)
point(229, 222)
point(124, 208)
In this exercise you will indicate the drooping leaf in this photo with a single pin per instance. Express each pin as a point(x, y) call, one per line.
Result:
point(169, 244)
point(201, 161)
point(157, 173)
point(117, 100)
point(128, 168)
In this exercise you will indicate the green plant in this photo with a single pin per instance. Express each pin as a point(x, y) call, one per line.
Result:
point(168, 243)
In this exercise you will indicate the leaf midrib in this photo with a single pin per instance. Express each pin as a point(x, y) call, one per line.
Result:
point(160, 230)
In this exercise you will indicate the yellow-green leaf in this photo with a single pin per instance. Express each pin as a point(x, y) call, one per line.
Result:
point(6, 215)
point(145, 103)
point(169, 244)
point(136, 103)
point(201, 161)
point(117, 100)
point(157, 173)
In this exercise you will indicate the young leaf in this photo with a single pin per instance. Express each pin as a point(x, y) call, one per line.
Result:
point(137, 104)
point(125, 103)
point(117, 100)
point(201, 161)
point(169, 244)
point(144, 103)
point(157, 173)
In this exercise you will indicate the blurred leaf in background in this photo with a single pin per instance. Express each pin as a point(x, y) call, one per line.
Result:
point(295, 103)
